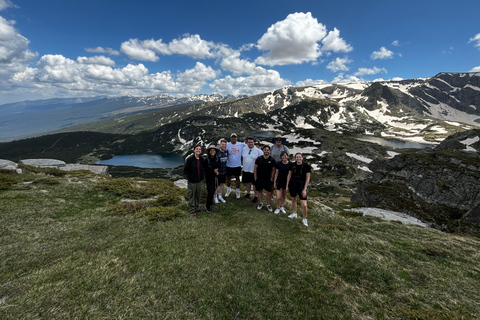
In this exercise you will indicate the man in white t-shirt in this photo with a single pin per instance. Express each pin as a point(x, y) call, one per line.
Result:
point(234, 163)
point(249, 155)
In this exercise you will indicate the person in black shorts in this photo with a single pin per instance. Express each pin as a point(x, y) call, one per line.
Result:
point(280, 182)
point(211, 163)
point(222, 171)
point(297, 183)
point(264, 173)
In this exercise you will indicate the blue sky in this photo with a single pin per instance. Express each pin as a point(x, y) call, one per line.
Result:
point(69, 48)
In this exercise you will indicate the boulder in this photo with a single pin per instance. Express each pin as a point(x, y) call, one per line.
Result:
point(45, 163)
point(98, 169)
point(8, 165)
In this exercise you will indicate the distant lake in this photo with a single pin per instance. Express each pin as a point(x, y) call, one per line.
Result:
point(396, 144)
point(163, 160)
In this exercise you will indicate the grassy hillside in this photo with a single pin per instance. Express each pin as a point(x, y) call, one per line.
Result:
point(69, 252)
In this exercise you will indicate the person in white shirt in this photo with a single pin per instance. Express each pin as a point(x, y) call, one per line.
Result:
point(234, 163)
point(249, 155)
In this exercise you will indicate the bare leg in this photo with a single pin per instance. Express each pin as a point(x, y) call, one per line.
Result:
point(304, 208)
point(278, 199)
point(294, 204)
point(269, 198)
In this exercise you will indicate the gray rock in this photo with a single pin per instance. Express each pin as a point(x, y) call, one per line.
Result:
point(48, 163)
point(8, 165)
point(103, 170)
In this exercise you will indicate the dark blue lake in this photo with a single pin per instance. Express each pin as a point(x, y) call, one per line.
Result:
point(163, 160)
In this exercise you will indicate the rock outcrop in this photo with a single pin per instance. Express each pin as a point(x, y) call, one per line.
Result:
point(440, 186)
point(53, 163)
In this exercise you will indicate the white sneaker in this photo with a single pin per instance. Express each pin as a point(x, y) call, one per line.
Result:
point(305, 223)
point(260, 206)
point(277, 211)
point(283, 210)
point(221, 199)
point(229, 190)
point(215, 199)
point(238, 194)
point(269, 208)
point(293, 216)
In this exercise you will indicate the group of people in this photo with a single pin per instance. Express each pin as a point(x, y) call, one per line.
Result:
point(266, 169)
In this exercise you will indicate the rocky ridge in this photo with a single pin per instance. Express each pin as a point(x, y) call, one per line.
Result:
point(7, 165)
point(439, 186)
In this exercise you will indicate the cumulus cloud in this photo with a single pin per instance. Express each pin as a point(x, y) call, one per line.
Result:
point(56, 74)
point(13, 46)
point(339, 64)
point(369, 71)
point(309, 82)
point(475, 40)
point(108, 51)
point(475, 69)
point(139, 50)
point(189, 45)
point(249, 85)
point(333, 42)
point(6, 4)
point(292, 41)
point(341, 78)
point(383, 53)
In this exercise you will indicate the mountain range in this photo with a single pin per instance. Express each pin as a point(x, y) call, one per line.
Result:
point(416, 110)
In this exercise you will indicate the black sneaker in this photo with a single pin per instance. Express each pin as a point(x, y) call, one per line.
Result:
point(247, 196)
point(255, 199)
point(208, 210)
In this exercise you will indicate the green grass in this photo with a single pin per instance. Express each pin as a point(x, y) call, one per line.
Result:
point(63, 256)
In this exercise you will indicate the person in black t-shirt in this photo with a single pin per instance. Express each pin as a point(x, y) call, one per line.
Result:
point(281, 174)
point(297, 183)
point(264, 172)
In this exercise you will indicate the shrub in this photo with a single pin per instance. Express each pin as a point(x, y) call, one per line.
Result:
point(6, 181)
point(48, 171)
point(47, 181)
point(125, 208)
point(135, 189)
point(161, 213)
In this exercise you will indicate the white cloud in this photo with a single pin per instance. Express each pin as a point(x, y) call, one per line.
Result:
point(13, 46)
point(109, 51)
point(341, 78)
point(189, 45)
point(475, 69)
point(395, 43)
point(333, 42)
point(384, 53)
point(339, 64)
point(292, 41)
point(475, 40)
point(249, 85)
point(56, 75)
point(6, 4)
point(138, 50)
point(98, 60)
point(367, 71)
point(309, 82)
